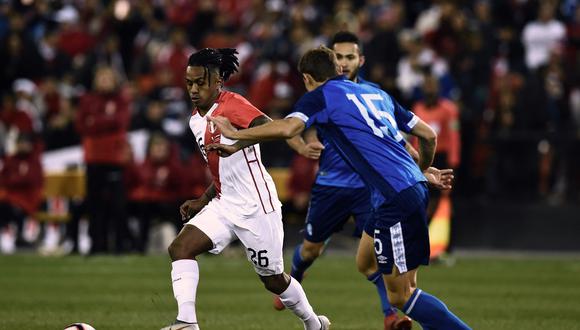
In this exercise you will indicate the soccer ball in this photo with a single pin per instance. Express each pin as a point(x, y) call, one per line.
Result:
point(79, 326)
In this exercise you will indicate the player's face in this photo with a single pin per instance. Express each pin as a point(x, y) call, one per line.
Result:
point(203, 90)
point(349, 58)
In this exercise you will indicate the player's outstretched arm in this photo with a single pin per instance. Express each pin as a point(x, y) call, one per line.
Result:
point(190, 207)
point(427, 143)
point(225, 150)
point(274, 130)
point(310, 150)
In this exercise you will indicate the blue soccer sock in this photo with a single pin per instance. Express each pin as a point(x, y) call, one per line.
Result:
point(377, 279)
point(432, 313)
point(299, 265)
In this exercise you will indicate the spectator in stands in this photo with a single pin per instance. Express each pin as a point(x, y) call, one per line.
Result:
point(74, 38)
point(106, 53)
point(13, 119)
point(421, 60)
point(443, 116)
point(173, 56)
point(173, 101)
point(21, 183)
point(19, 59)
point(153, 118)
point(102, 122)
point(195, 177)
point(155, 187)
point(56, 62)
point(382, 51)
point(29, 100)
point(58, 117)
point(302, 175)
point(542, 36)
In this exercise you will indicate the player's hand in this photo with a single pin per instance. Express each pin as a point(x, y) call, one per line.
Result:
point(440, 179)
point(224, 125)
point(191, 207)
point(312, 150)
point(223, 150)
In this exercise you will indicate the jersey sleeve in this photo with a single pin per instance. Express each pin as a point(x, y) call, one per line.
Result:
point(241, 112)
point(309, 107)
point(405, 119)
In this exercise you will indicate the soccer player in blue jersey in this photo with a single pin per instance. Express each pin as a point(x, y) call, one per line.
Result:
point(362, 123)
point(339, 193)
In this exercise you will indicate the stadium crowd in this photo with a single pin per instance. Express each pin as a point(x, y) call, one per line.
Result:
point(91, 71)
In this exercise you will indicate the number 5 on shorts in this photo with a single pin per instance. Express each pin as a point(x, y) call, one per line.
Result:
point(378, 243)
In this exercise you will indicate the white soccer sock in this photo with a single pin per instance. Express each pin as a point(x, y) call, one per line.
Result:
point(295, 300)
point(185, 276)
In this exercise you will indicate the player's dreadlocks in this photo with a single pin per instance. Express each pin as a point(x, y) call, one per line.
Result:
point(224, 59)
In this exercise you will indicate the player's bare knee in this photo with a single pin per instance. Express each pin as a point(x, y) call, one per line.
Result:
point(177, 251)
point(275, 283)
point(174, 250)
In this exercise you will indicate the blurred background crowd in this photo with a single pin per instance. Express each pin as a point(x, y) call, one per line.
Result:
point(89, 72)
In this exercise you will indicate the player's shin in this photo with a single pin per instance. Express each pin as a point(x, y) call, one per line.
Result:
point(299, 265)
point(432, 313)
point(295, 300)
point(185, 276)
point(377, 279)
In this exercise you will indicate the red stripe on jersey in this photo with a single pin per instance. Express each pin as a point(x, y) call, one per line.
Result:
point(253, 179)
point(265, 183)
point(213, 159)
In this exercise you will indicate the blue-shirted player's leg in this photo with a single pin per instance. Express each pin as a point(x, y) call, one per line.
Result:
point(424, 308)
point(304, 255)
point(367, 265)
point(401, 241)
point(329, 209)
point(299, 263)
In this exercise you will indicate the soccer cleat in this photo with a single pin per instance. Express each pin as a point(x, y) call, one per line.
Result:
point(394, 322)
point(277, 303)
point(182, 326)
point(324, 322)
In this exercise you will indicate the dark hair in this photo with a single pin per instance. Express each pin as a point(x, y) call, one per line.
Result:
point(320, 63)
point(345, 36)
point(223, 59)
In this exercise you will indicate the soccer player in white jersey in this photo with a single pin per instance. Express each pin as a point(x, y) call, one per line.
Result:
point(241, 203)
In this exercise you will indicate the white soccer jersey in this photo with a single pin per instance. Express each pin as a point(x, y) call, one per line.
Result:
point(240, 179)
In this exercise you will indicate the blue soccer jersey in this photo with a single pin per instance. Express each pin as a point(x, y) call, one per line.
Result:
point(362, 123)
point(333, 170)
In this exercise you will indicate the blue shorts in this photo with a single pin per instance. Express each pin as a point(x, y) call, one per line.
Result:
point(330, 207)
point(400, 232)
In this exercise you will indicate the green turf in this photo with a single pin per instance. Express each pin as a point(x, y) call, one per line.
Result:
point(135, 293)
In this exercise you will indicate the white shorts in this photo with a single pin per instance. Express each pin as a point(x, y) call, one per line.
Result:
point(262, 235)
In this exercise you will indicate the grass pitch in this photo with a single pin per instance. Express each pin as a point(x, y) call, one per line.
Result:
point(132, 292)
